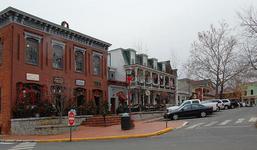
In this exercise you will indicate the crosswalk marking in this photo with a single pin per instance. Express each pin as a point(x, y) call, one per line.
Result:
point(196, 125)
point(24, 146)
point(6, 143)
point(224, 122)
point(210, 124)
point(253, 119)
point(240, 120)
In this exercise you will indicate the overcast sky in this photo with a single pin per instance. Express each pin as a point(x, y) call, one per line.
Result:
point(164, 29)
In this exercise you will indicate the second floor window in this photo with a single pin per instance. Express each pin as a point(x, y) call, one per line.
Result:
point(32, 51)
point(79, 60)
point(58, 55)
point(96, 64)
point(1, 50)
point(251, 92)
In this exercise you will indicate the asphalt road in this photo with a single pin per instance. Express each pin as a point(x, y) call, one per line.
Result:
point(226, 130)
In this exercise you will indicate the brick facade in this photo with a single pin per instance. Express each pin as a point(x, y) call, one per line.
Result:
point(14, 69)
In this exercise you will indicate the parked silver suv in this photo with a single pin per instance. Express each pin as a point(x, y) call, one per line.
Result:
point(227, 103)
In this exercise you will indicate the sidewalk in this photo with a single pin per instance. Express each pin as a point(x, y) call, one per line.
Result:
point(142, 129)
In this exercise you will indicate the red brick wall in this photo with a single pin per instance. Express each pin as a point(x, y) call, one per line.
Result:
point(44, 69)
point(5, 79)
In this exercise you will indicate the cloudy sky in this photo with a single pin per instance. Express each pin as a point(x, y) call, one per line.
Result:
point(163, 29)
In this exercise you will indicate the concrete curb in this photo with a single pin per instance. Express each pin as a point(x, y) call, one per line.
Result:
point(160, 132)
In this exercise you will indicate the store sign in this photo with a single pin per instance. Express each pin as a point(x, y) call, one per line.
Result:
point(80, 82)
point(58, 80)
point(32, 77)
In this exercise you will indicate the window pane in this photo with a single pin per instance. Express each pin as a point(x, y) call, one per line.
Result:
point(187, 107)
point(32, 51)
point(1, 51)
point(57, 56)
point(79, 61)
point(195, 106)
point(96, 65)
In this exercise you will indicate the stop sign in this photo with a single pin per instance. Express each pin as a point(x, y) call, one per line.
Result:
point(71, 117)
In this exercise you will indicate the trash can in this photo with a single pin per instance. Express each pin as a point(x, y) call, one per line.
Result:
point(125, 121)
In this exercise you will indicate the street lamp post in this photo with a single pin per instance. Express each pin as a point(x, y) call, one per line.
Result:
point(129, 79)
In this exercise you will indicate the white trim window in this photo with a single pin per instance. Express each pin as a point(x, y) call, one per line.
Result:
point(32, 42)
point(58, 54)
point(97, 57)
point(79, 55)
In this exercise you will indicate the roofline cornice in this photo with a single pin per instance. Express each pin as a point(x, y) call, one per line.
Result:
point(12, 15)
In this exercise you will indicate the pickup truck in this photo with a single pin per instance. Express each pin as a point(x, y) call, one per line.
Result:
point(193, 101)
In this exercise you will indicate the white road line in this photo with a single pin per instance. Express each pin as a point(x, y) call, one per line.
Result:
point(21, 148)
point(224, 122)
point(240, 120)
point(5, 143)
point(24, 146)
point(196, 125)
point(210, 124)
point(253, 119)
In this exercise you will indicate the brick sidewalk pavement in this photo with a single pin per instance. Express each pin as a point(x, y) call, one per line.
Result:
point(95, 132)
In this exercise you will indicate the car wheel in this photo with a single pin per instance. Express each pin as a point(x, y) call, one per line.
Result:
point(218, 109)
point(203, 114)
point(175, 117)
point(226, 107)
point(232, 106)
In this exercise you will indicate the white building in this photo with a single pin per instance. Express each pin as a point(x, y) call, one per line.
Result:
point(153, 84)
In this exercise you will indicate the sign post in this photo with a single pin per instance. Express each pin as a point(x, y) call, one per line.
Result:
point(71, 121)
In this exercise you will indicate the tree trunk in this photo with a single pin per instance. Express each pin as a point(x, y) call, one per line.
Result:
point(221, 90)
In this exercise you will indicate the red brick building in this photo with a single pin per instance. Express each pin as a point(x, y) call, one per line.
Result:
point(37, 53)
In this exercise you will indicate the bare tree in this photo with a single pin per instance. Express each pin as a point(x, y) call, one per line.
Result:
point(214, 57)
point(58, 99)
point(249, 23)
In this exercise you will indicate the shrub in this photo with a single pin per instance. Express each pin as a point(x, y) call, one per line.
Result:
point(91, 107)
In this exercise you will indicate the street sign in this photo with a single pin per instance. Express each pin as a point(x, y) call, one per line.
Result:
point(71, 117)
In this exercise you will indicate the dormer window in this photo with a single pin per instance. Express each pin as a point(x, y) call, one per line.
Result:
point(132, 57)
point(163, 67)
point(155, 64)
point(144, 60)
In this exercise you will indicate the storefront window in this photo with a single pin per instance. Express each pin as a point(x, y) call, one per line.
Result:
point(96, 64)
point(58, 55)
point(79, 60)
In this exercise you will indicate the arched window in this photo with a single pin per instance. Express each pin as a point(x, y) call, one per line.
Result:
point(96, 64)
point(58, 55)
point(79, 60)
point(1, 50)
point(32, 51)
